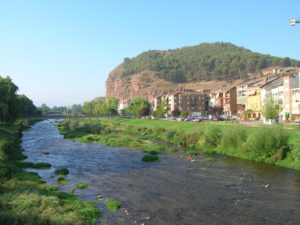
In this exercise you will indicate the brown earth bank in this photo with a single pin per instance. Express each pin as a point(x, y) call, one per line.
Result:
point(225, 190)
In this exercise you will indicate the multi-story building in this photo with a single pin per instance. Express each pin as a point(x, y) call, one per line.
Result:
point(184, 99)
point(230, 101)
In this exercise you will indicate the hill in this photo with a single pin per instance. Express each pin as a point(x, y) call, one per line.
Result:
point(154, 71)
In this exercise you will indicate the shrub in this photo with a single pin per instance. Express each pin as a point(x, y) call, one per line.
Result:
point(74, 124)
point(113, 205)
point(234, 137)
point(158, 131)
point(266, 142)
point(63, 171)
point(296, 150)
point(150, 158)
point(169, 134)
point(212, 136)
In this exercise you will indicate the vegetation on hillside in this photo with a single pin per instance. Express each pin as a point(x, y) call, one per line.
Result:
point(207, 61)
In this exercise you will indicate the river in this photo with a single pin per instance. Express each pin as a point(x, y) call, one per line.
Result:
point(173, 191)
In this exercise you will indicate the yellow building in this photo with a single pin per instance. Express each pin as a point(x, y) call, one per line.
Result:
point(254, 102)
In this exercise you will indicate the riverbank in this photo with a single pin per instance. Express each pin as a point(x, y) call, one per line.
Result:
point(24, 196)
point(269, 144)
point(213, 189)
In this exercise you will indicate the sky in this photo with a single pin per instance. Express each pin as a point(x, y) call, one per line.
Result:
point(60, 52)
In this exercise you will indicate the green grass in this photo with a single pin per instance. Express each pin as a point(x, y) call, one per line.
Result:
point(209, 137)
point(63, 171)
point(191, 153)
point(113, 205)
point(61, 180)
point(82, 185)
point(25, 199)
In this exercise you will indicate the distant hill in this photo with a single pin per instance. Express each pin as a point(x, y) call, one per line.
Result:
point(207, 61)
point(208, 66)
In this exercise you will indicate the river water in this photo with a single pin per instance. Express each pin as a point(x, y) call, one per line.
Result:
point(173, 191)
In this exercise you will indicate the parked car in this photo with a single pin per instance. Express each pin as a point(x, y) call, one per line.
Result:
point(188, 119)
point(180, 119)
point(197, 120)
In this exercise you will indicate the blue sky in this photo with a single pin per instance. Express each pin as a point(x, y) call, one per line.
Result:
point(60, 52)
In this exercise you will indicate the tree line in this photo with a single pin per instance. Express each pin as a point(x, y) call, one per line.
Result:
point(12, 105)
point(207, 61)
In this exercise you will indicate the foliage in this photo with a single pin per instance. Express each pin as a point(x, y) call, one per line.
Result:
point(26, 107)
point(25, 199)
point(137, 104)
point(206, 61)
point(162, 109)
point(191, 153)
point(112, 205)
point(266, 142)
point(8, 100)
point(271, 107)
point(212, 136)
point(176, 112)
point(234, 137)
point(184, 113)
point(88, 108)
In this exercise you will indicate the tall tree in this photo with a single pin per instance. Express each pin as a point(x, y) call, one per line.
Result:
point(137, 104)
point(88, 107)
point(8, 100)
point(112, 105)
point(272, 107)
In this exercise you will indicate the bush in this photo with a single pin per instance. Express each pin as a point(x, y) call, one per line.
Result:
point(158, 131)
point(296, 150)
point(74, 124)
point(150, 158)
point(234, 137)
point(170, 134)
point(212, 137)
point(266, 142)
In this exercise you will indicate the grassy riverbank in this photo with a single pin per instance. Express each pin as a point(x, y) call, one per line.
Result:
point(25, 199)
point(270, 144)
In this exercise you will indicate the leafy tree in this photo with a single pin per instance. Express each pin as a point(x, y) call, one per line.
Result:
point(9, 109)
point(76, 109)
point(100, 108)
point(44, 108)
point(88, 107)
point(272, 107)
point(26, 107)
point(112, 106)
point(162, 109)
point(184, 113)
point(145, 111)
point(137, 104)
